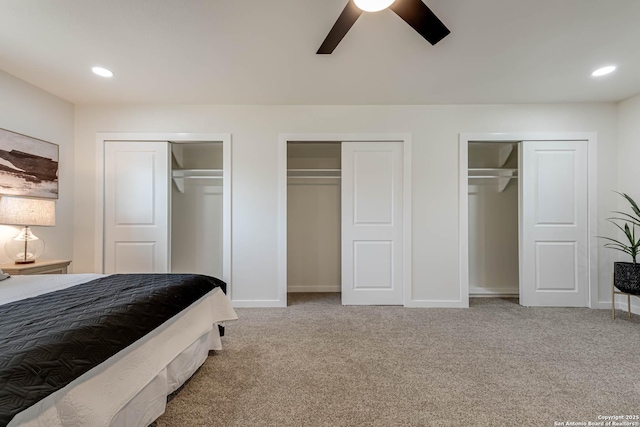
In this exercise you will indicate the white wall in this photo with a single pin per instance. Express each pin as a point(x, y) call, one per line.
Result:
point(255, 130)
point(493, 226)
point(628, 161)
point(196, 229)
point(31, 111)
point(628, 150)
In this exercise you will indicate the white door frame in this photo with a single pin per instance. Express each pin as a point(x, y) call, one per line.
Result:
point(283, 138)
point(225, 138)
point(463, 225)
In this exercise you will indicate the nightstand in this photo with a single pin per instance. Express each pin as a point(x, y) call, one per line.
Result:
point(38, 267)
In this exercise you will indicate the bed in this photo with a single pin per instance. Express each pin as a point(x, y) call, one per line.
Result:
point(98, 350)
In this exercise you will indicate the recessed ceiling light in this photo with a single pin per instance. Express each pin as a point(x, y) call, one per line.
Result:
point(604, 70)
point(373, 5)
point(102, 72)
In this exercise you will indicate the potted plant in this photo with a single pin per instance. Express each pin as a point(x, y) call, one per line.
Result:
point(626, 275)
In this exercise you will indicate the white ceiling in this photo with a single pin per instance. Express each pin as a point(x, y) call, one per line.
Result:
point(263, 52)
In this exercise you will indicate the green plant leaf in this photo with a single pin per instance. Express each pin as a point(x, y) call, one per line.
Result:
point(625, 230)
point(622, 223)
point(630, 218)
point(617, 242)
point(633, 204)
point(621, 250)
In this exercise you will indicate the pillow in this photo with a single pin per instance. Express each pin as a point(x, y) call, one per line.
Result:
point(3, 275)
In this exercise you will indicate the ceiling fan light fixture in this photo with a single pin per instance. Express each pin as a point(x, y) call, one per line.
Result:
point(373, 5)
point(413, 12)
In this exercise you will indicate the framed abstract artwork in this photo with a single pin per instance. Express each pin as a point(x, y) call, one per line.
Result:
point(28, 166)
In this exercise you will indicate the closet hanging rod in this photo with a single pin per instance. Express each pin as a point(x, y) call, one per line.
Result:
point(202, 171)
point(313, 170)
point(313, 177)
point(493, 177)
point(197, 170)
point(483, 184)
point(493, 170)
point(200, 177)
point(197, 173)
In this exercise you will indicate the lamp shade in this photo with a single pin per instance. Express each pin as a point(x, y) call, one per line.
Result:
point(19, 211)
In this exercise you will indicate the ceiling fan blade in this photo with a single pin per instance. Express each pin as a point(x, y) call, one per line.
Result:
point(345, 21)
point(421, 18)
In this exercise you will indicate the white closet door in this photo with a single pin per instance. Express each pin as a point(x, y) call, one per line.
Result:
point(554, 256)
point(136, 207)
point(372, 223)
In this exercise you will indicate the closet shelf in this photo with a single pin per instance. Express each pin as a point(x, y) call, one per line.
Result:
point(197, 173)
point(314, 173)
point(503, 175)
point(180, 175)
point(492, 170)
point(492, 177)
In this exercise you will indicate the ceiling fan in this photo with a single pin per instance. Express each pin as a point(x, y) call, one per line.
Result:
point(413, 12)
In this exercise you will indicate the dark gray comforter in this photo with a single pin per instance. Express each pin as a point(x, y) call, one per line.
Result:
point(48, 341)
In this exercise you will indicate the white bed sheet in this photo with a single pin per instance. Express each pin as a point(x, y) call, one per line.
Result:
point(16, 288)
point(130, 388)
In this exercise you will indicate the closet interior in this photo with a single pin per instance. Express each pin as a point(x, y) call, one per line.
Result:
point(197, 208)
point(493, 219)
point(313, 216)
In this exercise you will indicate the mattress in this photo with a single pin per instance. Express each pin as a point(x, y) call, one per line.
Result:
point(130, 388)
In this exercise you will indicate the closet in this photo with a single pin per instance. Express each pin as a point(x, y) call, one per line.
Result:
point(313, 217)
point(493, 219)
point(527, 217)
point(196, 208)
point(165, 208)
point(345, 204)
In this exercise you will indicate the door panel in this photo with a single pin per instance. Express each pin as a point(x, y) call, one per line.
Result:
point(372, 223)
point(372, 187)
point(133, 185)
point(554, 227)
point(556, 266)
point(134, 257)
point(136, 207)
point(373, 265)
point(556, 195)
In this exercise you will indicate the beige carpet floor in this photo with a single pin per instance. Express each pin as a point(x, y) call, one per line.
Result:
point(317, 363)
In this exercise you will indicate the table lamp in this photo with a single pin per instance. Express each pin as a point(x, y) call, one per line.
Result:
point(25, 248)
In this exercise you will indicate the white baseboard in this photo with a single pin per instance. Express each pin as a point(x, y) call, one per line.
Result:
point(258, 303)
point(421, 303)
point(478, 292)
point(621, 304)
point(621, 301)
point(329, 288)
